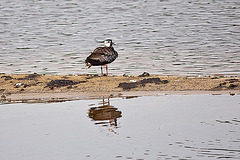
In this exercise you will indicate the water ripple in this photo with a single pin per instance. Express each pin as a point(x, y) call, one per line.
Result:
point(162, 37)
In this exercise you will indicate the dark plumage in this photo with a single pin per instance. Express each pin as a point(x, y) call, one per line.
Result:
point(102, 55)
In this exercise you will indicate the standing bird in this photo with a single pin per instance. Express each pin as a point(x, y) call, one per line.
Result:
point(101, 56)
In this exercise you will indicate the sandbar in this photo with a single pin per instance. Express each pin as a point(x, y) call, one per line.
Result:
point(38, 87)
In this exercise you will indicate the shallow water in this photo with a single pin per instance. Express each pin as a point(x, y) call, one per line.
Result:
point(153, 127)
point(163, 37)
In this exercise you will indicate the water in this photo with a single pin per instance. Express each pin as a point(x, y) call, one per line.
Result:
point(154, 127)
point(157, 36)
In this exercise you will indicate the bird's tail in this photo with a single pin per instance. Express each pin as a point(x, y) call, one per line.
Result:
point(88, 64)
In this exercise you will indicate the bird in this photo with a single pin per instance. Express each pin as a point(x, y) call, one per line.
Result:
point(102, 56)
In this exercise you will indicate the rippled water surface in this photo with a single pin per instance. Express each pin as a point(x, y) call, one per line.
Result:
point(177, 37)
point(155, 127)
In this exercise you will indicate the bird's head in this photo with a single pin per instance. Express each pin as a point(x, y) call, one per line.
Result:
point(108, 43)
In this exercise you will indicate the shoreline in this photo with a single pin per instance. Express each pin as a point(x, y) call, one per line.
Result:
point(51, 88)
point(96, 95)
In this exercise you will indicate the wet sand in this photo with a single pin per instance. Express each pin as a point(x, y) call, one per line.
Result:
point(25, 87)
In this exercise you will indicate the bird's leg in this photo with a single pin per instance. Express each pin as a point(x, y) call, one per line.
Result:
point(101, 71)
point(107, 70)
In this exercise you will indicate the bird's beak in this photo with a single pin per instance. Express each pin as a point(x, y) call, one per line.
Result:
point(98, 41)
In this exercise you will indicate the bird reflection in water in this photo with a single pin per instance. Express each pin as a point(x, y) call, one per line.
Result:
point(105, 115)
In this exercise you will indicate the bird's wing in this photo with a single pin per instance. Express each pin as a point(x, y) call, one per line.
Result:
point(108, 51)
point(102, 53)
point(101, 56)
point(97, 55)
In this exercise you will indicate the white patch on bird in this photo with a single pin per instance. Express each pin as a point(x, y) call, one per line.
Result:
point(107, 43)
point(88, 64)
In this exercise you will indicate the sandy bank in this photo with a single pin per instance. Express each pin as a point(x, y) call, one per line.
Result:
point(57, 87)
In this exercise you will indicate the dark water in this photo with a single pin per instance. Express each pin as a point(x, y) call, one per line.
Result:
point(155, 127)
point(177, 37)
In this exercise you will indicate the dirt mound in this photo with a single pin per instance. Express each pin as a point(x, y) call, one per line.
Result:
point(62, 83)
point(130, 85)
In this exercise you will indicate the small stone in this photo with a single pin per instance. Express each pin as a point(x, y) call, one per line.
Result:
point(7, 77)
point(3, 96)
point(1, 90)
point(18, 85)
point(120, 94)
point(69, 87)
point(26, 85)
point(145, 74)
point(165, 81)
point(231, 86)
point(232, 80)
